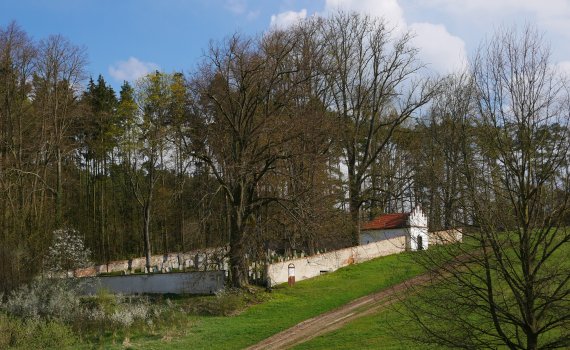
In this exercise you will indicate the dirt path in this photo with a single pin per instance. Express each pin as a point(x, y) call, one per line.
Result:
point(337, 318)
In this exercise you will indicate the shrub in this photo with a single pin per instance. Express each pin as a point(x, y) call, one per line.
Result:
point(44, 313)
point(105, 301)
point(34, 333)
point(116, 312)
point(50, 334)
point(127, 314)
point(128, 310)
point(51, 299)
point(227, 302)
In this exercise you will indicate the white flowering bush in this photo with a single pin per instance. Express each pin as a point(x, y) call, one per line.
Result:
point(119, 311)
point(126, 315)
point(127, 310)
point(94, 315)
point(52, 299)
point(67, 251)
point(122, 317)
point(60, 300)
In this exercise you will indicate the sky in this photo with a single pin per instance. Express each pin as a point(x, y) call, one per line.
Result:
point(126, 39)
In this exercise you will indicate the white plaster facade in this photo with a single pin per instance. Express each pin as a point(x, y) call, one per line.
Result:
point(315, 265)
point(415, 230)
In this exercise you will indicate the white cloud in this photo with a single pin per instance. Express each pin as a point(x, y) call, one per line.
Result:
point(131, 69)
point(390, 10)
point(501, 7)
point(441, 50)
point(553, 15)
point(251, 15)
point(564, 67)
point(238, 7)
point(286, 19)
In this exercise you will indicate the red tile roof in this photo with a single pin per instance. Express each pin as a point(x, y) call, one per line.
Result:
point(387, 221)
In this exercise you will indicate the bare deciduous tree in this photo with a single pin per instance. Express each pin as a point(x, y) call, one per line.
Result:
point(59, 73)
point(507, 284)
point(440, 157)
point(373, 87)
point(244, 86)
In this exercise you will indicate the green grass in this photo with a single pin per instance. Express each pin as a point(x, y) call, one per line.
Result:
point(185, 322)
point(286, 307)
point(390, 328)
point(383, 330)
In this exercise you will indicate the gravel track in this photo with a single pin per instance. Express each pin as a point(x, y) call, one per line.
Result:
point(337, 318)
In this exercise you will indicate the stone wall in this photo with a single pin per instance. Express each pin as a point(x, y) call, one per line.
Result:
point(197, 282)
point(199, 260)
point(305, 267)
point(315, 265)
point(446, 236)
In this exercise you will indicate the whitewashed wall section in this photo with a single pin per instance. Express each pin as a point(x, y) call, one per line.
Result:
point(199, 282)
point(315, 265)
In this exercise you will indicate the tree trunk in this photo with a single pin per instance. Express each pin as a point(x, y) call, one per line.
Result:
point(238, 264)
point(354, 208)
point(59, 190)
point(146, 234)
point(355, 222)
point(531, 341)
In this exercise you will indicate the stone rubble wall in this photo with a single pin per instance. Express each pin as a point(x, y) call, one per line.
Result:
point(208, 259)
point(454, 235)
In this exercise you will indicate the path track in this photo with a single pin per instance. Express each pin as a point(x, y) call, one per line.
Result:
point(337, 318)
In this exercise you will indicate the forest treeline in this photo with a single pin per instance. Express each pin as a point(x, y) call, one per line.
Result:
point(285, 140)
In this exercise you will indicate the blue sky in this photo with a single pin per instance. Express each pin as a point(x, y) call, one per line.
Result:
point(127, 38)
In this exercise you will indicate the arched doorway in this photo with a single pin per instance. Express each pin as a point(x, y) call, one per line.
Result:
point(419, 240)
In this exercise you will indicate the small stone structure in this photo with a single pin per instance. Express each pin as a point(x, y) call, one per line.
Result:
point(413, 226)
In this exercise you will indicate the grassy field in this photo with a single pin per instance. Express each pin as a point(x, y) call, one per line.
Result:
point(383, 330)
point(247, 318)
point(389, 328)
point(283, 308)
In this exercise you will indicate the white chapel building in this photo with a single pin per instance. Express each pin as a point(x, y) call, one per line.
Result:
point(412, 225)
